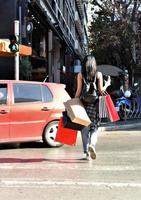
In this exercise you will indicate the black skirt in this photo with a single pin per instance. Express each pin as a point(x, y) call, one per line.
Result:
point(92, 111)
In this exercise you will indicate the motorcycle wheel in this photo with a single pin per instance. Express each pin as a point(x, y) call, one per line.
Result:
point(123, 113)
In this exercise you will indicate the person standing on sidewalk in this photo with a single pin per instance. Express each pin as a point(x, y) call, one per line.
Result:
point(89, 134)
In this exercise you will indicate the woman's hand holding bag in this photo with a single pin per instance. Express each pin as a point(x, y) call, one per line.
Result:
point(107, 108)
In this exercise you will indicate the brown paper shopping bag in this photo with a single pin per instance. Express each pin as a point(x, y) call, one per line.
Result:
point(69, 124)
point(77, 112)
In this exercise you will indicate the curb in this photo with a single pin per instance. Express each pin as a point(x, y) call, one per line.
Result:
point(122, 126)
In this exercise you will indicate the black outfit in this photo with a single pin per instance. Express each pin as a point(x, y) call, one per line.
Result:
point(89, 134)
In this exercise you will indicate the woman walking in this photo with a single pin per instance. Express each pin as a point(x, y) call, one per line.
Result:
point(89, 73)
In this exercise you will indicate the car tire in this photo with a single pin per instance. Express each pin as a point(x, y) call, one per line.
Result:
point(50, 134)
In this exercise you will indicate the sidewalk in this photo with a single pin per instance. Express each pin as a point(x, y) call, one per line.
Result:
point(120, 125)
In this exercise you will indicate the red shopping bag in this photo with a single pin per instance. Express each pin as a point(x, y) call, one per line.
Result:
point(112, 113)
point(65, 135)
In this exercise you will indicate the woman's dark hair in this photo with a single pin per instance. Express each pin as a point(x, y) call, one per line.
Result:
point(89, 66)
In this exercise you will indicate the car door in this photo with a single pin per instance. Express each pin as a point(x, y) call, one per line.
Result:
point(4, 112)
point(28, 114)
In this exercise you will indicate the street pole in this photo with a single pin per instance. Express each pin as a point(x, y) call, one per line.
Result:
point(16, 32)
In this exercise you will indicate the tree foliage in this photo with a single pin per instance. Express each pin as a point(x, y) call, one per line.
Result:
point(113, 31)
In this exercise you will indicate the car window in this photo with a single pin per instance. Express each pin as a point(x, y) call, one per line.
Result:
point(47, 95)
point(26, 92)
point(3, 94)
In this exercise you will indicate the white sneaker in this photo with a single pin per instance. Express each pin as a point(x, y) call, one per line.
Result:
point(92, 152)
point(86, 157)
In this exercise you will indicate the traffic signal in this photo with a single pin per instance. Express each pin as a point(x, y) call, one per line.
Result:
point(13, 46)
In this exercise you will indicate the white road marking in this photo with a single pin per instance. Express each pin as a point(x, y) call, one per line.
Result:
point(38, 183)
point(61, 166)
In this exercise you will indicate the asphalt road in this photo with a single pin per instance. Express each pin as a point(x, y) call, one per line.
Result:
point(36, 172)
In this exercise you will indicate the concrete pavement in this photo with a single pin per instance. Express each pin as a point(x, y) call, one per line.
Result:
point(120, 125)
point(36, 172)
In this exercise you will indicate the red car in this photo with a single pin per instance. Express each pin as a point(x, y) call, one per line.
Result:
point(29, 111)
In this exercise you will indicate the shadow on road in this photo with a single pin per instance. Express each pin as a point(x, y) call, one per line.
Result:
point(34, 145)
point(32, 160)
point(23, 145)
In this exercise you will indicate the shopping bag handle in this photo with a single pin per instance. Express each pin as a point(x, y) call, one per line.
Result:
point(104, 93)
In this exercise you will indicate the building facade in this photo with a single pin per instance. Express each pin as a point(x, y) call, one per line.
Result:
point(57, 32)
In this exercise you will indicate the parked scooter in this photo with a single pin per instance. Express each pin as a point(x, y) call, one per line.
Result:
point(128, 103)
point(123, 106)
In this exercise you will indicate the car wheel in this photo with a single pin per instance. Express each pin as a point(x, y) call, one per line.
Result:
point(50, 134)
